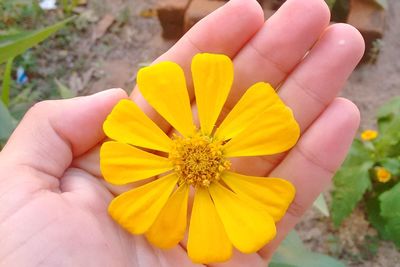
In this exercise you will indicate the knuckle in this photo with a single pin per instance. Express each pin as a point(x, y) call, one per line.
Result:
point(297, 209)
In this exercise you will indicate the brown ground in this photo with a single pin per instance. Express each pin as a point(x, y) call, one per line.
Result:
point(133, 40)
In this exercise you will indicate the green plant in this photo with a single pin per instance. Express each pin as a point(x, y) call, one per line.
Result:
point(19, 12)
point(69, 5)
point(293, 253)
point(12, 45)
point(371, 175)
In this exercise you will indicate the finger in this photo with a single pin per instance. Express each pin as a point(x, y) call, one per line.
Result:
point(279, 45)
point(219, 32)
point(224, 31)
point(53, 132)
point(315, 83)
point(312, 163)
point(323, 73)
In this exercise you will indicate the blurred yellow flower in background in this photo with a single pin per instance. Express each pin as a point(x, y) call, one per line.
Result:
point(382, 174)
point(229, 209)
point(369, 135)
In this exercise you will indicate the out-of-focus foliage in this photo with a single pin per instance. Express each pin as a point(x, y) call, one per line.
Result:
point(320, 204)
point(381, 3)
point(371, 174)
point(330, 3)
point(5, 89)
point(7, 123)
point(17, 12)
point(340, 8)
point(12, 45)
point(292, 253)
point(17, 43)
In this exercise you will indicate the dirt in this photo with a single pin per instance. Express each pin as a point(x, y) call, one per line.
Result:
point(135, 43)
point(134, 39)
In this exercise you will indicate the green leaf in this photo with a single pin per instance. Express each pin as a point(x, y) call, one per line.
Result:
point(390, 211)
point(388, 143)
point(7, 123)
point(391, 164)
point(5, 88)
point(64, 91)
point(320, 204)
point(8, 37)
point(375, 218)
point(340, 10)
point(357, 155)
point(351, 182)
point(387, 112)
point(292, 253)
point(330, 3)
point(16, 46)
point(390, 108)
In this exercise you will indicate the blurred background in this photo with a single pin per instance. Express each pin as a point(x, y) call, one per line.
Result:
point(65, 48)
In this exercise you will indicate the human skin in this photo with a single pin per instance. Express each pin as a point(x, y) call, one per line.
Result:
point(53, 201)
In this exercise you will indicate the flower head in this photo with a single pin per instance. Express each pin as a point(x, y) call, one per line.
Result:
point(229, 209)
point(369, 135)
point(382, 174)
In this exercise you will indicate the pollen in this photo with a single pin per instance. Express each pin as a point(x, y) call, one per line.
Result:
point(198, 160)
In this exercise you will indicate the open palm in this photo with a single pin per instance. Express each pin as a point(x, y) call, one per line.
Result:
point(53, 201)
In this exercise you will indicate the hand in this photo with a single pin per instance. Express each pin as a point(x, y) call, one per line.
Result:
point(53, 201)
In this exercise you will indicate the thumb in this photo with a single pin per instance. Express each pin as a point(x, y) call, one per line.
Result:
point(53, 132)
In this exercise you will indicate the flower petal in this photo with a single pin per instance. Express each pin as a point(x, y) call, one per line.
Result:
point(136, 210)
point(170, 225)
point(256, 100)
point(163, 85)
point(208, 241)
point(212, 80)
point(248, 227)
point(274, 194)
point(122, 163)
point(273, 132)
point(127, 123)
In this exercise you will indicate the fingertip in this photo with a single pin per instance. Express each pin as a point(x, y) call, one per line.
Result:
point(111, 94)
point(331, 135)
point(349, 39)
point(356, 38)
point(318, 10)
point(352, 112)
point(250, 8)
point(228, 28)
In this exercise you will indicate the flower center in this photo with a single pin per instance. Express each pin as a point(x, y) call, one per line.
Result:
point(198, 160)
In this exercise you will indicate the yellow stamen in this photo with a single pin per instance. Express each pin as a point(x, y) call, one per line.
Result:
point(383, 175)
point(198, 160)
point(369, 135)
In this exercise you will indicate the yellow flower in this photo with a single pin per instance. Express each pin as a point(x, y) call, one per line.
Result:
point(369, 135)
point(229, 209)
point(382, 174)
